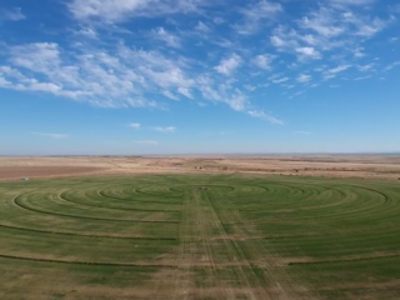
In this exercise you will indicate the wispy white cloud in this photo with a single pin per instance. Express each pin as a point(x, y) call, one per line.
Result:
point(109, 79)
point(392, 66)
point(363, 77)
point(297, 94)
point(278, 41)
point(308, 52)
point(167, 37)
point(262, 115)
point(223, 92)
point(255, 14)
point(202, 27)
point(366, 26)
point(323, 23)
point(263, 61)
point(352, 2)
point(117, 11)
point(147, 142)
point(339, 69)
point(109, 63)
point(40, 57)
point(303, 78)
point(87, 32)
point(14, 14)
point(359, 52)
point(52, 135)
point(250, 87)
point(331, 73)
point(168, 129)
point(280, 80)
point(228, 65)
point(366, 68)
point(339, 25)
point(238, 101)
point(134, 125)
point(262, 9)
point(304, 47)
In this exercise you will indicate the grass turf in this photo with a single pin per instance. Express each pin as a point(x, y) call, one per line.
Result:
point(199, 237)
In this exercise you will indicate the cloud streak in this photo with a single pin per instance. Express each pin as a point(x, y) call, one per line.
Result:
point(168, 129)
point(111, 11)
point(134, 125)
point(165, 36)
point(52, 135)
point(228, 65)
point(14, 14)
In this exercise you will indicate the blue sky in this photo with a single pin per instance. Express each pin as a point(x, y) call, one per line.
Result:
point(199, 76)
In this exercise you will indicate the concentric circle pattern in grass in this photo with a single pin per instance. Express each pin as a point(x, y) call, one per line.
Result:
point(200, 237)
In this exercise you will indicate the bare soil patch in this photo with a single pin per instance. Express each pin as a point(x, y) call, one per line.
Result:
point(19, 172)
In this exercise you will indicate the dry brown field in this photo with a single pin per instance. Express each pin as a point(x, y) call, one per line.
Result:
point(385, 167)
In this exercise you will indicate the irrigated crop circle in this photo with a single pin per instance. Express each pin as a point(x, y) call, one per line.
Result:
point(221, 225)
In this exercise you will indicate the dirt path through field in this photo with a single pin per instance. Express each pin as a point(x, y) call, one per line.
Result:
point(281, 284)
point(219, 268)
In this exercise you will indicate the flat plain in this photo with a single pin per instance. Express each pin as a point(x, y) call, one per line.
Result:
point(195, 231)
point(385, 167)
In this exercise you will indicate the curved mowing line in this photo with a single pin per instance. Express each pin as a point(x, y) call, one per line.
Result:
point(90, 235)
point(330, 204)
point(131, 190)
point(358, 212)
point(115, 264)
point(287, 190)
point(207, 185)
point(62, 196)
point(349, 260)
point(101, 192)
point(386, 197)
point(291, 188)
point(139, 191)
point(386, 201)
point(306, 235)
point(266, 191)
point(17, 203)
point(240, 191)
point(87, 263)
point(298, 191)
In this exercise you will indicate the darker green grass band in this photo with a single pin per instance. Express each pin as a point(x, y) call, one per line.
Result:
point(318, 262)
point(86, 263)
point(18, 203)
point(144, 238)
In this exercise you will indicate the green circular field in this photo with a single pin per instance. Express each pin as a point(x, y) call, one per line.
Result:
point(200, 237)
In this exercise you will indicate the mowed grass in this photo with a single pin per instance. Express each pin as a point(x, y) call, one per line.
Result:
point(200, 237)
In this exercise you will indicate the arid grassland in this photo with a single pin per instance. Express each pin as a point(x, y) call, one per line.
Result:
point(194, 236)
point(385, 167)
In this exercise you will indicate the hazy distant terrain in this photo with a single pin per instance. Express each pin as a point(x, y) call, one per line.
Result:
point(360, 166)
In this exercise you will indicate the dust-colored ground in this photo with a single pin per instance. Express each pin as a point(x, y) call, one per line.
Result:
point(366, 166)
